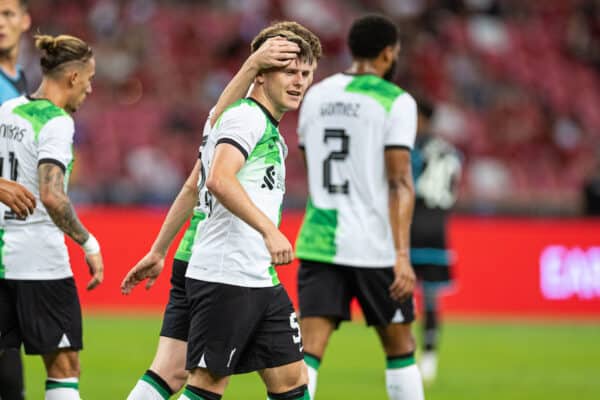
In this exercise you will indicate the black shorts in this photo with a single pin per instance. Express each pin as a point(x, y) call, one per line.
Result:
point(326, 290)
point(45, 315)
point(237, 329)
point(176, 320)
point(432, 273)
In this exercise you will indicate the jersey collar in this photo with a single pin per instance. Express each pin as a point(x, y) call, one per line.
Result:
point(267, 113)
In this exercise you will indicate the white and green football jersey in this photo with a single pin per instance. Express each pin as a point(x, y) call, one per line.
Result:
point(33, 132)
point(346, 122)
point(227, 250)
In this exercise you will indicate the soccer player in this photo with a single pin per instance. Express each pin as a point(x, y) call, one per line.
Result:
point(437, 168)
point(356, 129)
point(241, 319)
point(39, 305)
point(167, 374)
point(14, 21)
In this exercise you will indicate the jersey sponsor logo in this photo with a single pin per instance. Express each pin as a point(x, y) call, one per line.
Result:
point(12, 132)
point(272, 180)
point(570, 272)
point(340, 108)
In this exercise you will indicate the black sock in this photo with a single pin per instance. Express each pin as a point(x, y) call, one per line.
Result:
point(197, 393)
point(298, 393)
point(11, 375)
point(431, 330)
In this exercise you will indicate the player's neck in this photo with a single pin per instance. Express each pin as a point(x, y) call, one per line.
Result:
point(362, 67)
point(259, 95)
point(50, 90)
point(8, 61)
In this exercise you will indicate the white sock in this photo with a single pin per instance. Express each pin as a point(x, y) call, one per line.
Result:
point(404, 383)
point(146, 391)
point(312, 381)
point(62, 389)
point(312, 365)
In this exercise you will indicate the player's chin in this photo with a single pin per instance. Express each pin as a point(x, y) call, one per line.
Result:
point(293, 102)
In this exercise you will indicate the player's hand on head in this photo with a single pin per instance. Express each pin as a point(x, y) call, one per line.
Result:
point(279, 247)
point(20, 200)
point(149, 267)
point(275, 52)
point(404, 279)
point(96, 266)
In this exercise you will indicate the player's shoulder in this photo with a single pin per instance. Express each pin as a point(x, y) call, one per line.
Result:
point(10, 104)
point(386, 94)
point(244, 112)
point(41, 112)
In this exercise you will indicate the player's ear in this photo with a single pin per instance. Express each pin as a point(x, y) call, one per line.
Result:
point(26, 21)
point(260, 78)
point(387, 54)
point(73, 76)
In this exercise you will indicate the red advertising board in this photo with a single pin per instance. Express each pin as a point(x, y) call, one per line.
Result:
point(504, 266)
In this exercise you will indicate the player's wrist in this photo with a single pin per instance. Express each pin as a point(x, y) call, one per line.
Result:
point(91, 245)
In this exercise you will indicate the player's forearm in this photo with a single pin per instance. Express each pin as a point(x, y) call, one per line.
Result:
point(58, 205)
point(232, 195)
point(178, 214)
point(401, 205)
point(180, 211)
point(236, 88)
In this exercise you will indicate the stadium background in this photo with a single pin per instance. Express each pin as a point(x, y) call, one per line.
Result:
point(516, 89)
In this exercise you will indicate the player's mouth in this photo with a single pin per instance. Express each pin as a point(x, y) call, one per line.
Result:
point(294, 93)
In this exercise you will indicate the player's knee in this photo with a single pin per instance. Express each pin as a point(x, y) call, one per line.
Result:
point(174, 376)
point(64, 365)
point(177, 379)
point(398, 341)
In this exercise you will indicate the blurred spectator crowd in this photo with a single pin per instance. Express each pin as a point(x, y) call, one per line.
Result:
point(515, 84)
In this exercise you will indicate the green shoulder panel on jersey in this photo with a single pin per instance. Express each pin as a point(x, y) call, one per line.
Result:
point(184, 251)
point(234, 105)
point(39, 113)
point(267, 148)
point(316, 240)
point(384, 92)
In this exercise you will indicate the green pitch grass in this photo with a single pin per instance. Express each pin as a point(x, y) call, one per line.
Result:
point(478, 360)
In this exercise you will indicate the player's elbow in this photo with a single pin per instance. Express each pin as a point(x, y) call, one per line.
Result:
point(216, 185)
point(401, 184)
point(50, 200)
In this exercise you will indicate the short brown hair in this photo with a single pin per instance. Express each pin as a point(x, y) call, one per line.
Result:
point(57, 51)
point(292, 31)
point(303, 32)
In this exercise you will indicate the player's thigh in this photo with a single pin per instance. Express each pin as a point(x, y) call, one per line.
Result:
point(285, 377)
point(324, 290)
point(62, 364)
point(169, 361)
